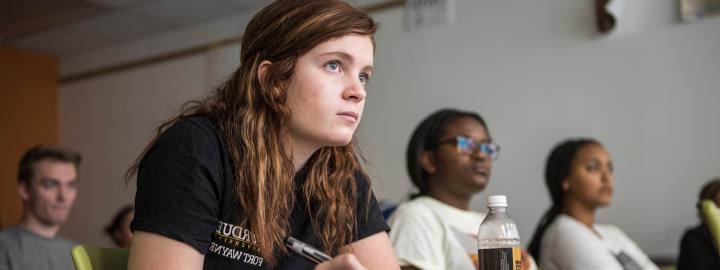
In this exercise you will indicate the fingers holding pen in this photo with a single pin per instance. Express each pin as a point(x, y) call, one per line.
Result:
point(341, 262)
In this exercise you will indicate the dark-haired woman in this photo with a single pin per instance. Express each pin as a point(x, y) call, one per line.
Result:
point(698, 249)
point(269, 154)
point(119, 227)
point(579, 176)
point(449, 160)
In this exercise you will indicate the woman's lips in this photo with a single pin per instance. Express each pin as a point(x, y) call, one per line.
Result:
point(349, 116)
point(479, 169)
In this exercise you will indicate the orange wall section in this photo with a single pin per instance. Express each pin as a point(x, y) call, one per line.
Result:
point(28, 116)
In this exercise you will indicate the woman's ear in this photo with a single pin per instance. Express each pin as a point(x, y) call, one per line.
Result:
point(427, 161)
point(566, 185)
point(262, 70)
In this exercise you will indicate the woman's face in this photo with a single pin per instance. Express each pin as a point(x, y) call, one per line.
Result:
point(460, 173)
point(326, 95)
point(590, 181)
point(123, 234)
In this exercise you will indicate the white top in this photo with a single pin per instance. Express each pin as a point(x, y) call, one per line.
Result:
point(429, 234)
point(568, 244)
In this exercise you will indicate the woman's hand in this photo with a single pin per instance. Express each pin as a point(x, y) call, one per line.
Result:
point(375, 252)
point(528, 263)
point(342, 262)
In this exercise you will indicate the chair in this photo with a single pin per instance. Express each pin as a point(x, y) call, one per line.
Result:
point(99, 258)
point(712, 219)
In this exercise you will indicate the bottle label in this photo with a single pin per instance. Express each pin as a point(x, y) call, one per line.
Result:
point(500, 259)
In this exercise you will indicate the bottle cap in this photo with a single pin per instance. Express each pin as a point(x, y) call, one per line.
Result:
point(497, 201)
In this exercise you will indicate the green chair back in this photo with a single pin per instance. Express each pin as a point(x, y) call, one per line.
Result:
point(712, 219)
point(99, 258)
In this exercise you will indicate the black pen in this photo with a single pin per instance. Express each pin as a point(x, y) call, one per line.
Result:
point(306, 251)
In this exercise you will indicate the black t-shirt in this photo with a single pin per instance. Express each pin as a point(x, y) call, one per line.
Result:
point(185, 191)
point(698, 250)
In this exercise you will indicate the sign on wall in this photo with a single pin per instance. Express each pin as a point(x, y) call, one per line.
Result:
point(694, 10)
point(428, 13)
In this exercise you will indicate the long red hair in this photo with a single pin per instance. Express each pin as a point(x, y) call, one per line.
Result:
point(253, 119)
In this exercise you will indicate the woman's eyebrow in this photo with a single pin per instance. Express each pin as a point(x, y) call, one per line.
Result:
point(483, 140)
point(347, 57)
point(341, 54)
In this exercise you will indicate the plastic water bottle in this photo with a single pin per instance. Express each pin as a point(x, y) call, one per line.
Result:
point(498, 238)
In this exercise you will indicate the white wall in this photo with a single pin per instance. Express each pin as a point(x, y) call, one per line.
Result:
point(538, 73)
point(534, 69)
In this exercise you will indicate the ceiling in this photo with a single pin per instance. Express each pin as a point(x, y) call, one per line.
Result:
point(67, 27)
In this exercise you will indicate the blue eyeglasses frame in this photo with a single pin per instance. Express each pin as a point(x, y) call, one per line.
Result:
point(465, 145)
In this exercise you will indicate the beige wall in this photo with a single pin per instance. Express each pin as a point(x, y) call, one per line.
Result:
point(28, 116)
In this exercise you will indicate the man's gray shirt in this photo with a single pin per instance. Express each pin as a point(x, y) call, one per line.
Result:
point(21, 249)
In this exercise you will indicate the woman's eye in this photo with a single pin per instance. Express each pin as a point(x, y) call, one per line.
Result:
point(592, 167)
point(364, 78)
point(333, 66)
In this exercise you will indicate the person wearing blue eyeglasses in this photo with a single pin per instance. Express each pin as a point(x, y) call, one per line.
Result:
point(449, 160)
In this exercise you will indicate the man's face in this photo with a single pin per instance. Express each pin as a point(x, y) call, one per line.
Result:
point(50, 194)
